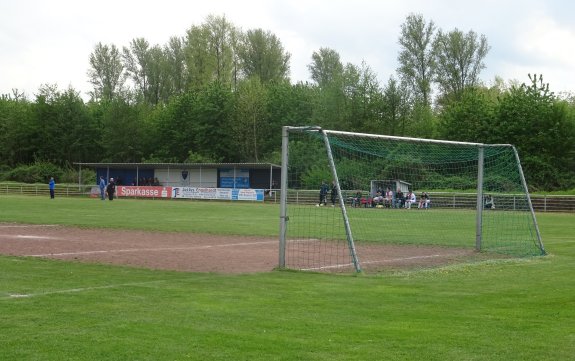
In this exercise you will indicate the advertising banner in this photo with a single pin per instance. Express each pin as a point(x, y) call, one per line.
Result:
point(234, 178)
point(218, 193)
point(144, 191)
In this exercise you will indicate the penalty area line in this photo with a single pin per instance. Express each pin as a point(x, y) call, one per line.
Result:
point(151, 249)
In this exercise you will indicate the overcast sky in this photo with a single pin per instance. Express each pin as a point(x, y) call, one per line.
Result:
point(49, 42)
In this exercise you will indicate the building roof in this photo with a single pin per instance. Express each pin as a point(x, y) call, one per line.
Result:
point(178, 165)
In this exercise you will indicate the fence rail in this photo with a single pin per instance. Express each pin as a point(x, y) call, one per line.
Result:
point(541, 203)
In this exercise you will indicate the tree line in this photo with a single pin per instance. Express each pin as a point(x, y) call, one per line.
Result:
point(219, 94)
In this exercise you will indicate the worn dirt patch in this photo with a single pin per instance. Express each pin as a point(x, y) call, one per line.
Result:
point(191, 252)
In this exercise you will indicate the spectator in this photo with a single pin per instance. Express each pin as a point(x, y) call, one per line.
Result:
point(356, 199)
point(388, 198)
point(102, 188)
point(111, 189)
point(377, 200)
point(410, 199)
point(399, 199)
point(489, 203)
point(52, 186)
point(323, 194)
point(424, 201)
point(333, 193)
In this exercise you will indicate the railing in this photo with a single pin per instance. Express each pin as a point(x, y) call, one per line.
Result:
point(42, 190)
point(541, 203)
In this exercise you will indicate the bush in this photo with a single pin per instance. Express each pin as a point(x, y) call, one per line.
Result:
point(40, 172)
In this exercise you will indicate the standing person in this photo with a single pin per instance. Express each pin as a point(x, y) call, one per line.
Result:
point(333, 194)
point(52, 186)
point(111, 189)
point(102, 187)
point(323, 194)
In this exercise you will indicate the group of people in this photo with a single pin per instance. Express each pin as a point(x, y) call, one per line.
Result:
point(107, 189)
point(324, 190)
point(389, 199)
point(146, 182)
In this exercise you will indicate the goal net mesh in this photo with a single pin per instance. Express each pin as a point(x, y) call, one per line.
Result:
point(407, 202)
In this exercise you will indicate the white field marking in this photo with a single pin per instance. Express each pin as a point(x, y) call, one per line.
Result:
point(150, 249)
point(81, 289)
point(303, 240)
point(382, 261)
point(25, 236)
point(26, 225)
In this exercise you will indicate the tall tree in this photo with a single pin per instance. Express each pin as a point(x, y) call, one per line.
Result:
point(459, 59)
point(251, 126)
point(470, 118)
point(396, 109)
point(543, 129)
point(326, 67)
point(18, 131)
point(122, 132)
point(146, 67)
point(65, 130)
point(363, 98)
point(416, 58)
point(176, 65)
point(262, 54)
point(211, 52)
point(106, 72)
point(136, 60)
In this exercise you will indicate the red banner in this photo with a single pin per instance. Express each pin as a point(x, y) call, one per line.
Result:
point(144, 191)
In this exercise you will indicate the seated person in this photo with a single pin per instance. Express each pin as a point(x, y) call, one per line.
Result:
point(377, 200)
point(399, 199)
point(410, 199)
point(488, 202)
point(356, 199)
point(388, 198)
point(424, 201)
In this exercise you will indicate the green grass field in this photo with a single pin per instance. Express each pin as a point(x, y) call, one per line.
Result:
point(520, 309)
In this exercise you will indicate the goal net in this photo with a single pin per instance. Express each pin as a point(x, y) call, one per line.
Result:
point(357, 202)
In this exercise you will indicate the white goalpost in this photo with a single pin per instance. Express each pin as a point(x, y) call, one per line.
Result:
point(396, 200)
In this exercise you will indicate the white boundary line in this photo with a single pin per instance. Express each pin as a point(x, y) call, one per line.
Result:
point(26, 236)
point(374, 262)
point(150, 249)
point(74, 290)
point(26, 225)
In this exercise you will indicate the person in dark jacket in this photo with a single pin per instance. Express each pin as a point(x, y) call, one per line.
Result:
point(111, 189)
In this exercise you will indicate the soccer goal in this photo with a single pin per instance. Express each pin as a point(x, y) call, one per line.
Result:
point(353, 202)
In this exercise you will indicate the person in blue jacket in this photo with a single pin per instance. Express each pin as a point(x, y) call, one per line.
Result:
point(102, 188)
point(52, 186)
point(323, 194)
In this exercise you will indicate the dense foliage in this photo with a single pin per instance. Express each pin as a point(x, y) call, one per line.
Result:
point(221, 95)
